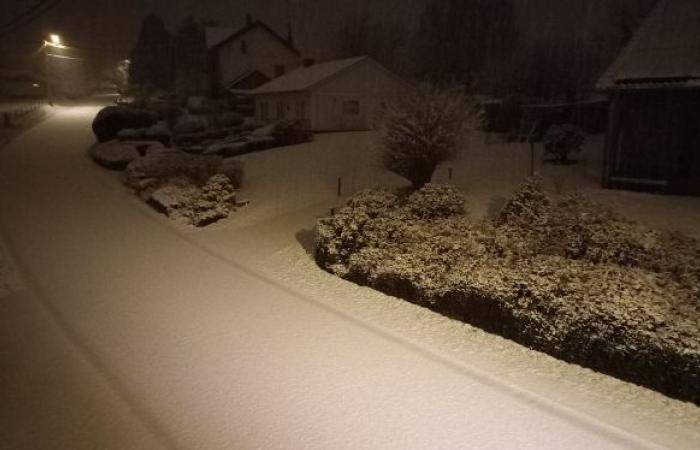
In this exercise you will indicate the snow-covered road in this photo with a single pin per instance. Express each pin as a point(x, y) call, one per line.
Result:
point(131, 336)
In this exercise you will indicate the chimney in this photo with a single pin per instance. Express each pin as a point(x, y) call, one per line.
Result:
point(308, 62)
point(248, 19)
point(290, 37)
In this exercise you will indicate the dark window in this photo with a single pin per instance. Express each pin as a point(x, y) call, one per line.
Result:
point(244, 46)
point(279, 70)
point(351, 107)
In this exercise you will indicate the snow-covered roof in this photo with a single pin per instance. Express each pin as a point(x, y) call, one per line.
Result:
point(216, 35)
point(663, 53)
point(304, 78)
point(248, 28)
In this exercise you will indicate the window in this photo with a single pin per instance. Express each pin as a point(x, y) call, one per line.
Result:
point(279, 70)
point(351, 108)
point(244, 47)
point(264, 111)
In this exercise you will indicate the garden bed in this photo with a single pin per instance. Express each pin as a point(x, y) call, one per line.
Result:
point(574, 280)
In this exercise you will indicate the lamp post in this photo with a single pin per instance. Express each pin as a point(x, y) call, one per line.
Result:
point(55, 42)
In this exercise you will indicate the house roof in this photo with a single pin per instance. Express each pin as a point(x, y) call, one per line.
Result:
point(663, 53)
point(217, 35)
point(304, 78)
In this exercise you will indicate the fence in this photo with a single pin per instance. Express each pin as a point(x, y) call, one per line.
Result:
point(12, 112)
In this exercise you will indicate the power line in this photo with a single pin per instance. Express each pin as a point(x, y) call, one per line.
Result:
point(28, 16)
point(25, 13)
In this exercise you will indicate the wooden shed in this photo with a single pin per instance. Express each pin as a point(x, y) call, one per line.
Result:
point(653, 141)
point(336, 95)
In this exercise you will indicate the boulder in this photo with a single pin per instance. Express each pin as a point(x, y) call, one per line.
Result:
point(113, 155)
point(112, 119)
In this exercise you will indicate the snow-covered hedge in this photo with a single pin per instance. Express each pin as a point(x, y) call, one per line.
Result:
point(572, 279)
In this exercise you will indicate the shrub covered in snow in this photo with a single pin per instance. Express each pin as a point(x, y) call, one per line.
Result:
point(423, 129)
point(434, 201)
point(189, 123)
point(113, 155)
point(572, 279)
point(110, 120)
point(562, 140)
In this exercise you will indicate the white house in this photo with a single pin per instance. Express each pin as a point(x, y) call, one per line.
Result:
point(251, 56)
point(335, 95)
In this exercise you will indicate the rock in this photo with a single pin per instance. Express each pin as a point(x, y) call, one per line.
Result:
point(189, 124)
point(113, 155)
point(112, 119)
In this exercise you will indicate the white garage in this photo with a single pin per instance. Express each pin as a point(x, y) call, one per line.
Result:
point(330, 96)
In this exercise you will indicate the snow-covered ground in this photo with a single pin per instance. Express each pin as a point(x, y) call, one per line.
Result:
point(231, 337)
point(290, 187)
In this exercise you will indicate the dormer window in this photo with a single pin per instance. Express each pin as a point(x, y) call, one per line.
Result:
point(244, 47)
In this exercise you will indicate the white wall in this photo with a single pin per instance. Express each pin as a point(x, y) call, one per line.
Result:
point(367, 84)
point(264, 51)
point(290, 106)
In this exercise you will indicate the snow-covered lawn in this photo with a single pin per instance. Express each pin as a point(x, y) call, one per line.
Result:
point(290, 187)
point(204, 356)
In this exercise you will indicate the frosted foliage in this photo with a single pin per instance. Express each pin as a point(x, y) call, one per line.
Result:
point(423, 129)
point(572, 279)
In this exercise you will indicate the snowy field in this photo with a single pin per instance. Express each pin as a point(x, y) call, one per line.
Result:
point(290, 187)
point(183, 358)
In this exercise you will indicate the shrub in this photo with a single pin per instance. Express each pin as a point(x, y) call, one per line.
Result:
point(528, 208)
point(435, 201)
point(423, 129)
point(562, 140)
point(189, 123)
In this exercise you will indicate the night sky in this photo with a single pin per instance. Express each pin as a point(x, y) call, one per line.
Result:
point(111, 26)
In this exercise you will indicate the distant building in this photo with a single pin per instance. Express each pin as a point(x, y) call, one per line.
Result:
point(654, 86)
point(335, 95)
point(247, 58)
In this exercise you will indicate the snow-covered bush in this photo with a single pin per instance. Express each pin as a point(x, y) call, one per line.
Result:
point(562, 140)
point(181, 200)
point(189, 123)
point(111, 119)
point(423, 129)
point(528, 207)
point(434, 201)
point(147, 171)
point(572, 279)
point(113, 155)
point(229, 119)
